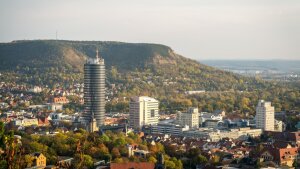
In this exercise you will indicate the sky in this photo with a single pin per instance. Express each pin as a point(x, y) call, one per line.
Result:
point(198, 29)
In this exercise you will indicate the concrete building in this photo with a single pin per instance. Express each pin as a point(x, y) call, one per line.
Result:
point(209, 116)
point(35, 89)
point(55, 106)
point(168, 128)
point(94, 92)
point(190, 118)
point(214, 124)
point(216, 135)
point(143, 111)
point(279, 126)
point(265, 116)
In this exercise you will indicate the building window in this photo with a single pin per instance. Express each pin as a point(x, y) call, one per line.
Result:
point(152, 113)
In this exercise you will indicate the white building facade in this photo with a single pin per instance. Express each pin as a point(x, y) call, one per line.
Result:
point(143, 111)
point(265, 116)
point(190, 118)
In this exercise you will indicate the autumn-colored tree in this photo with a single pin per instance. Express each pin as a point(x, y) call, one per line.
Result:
point(115, 152)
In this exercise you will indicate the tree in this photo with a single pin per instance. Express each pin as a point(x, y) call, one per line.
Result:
point(200, 159)
point(119, 142)
point(3, 164)
point(193, 152)
point(114, 72)
point(118, 160)
point(152, 159)
point(177, 163)
point(170, 164)
point(105, 138)
point(115, 152)
point(82, 161)
point(88, 161)
point(215, 159)
point(28, 160)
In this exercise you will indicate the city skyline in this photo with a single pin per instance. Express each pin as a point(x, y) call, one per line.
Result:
point(198, 30)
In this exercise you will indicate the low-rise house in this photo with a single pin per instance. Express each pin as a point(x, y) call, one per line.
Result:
point(39, 160)
point(134, 151)
point(61, 100)
point(43, 121)
point(284, 136)
point(26, 122)
point(281, 156)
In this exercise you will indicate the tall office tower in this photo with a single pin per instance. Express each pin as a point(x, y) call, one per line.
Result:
point(94, 93)
point(143, 111)
point(265, 116)
point(190, 118)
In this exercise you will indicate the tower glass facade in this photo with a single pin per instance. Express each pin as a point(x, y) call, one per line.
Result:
point(94, 91)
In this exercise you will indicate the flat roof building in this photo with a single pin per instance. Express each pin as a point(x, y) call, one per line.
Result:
point(143, 111)
point(265, 117)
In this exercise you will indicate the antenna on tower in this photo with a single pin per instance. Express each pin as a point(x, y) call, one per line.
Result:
point(97, 54)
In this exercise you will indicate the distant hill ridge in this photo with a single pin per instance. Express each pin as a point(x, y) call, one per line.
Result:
point(57, 52)
point(159, 59)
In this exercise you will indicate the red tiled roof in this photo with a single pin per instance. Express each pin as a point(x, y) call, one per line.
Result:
point(132, 165)
point(280, 154)
point(286, 136)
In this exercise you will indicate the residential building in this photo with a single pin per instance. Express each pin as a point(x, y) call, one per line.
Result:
point(94, 92)
point(60, 100)
point(39, 160)
point(189, 118)
point(220, 112)
point(293, 137)
point(281, 156)
point(265, 116)
point(279, 126)
point(143, 111)
point(26, 122)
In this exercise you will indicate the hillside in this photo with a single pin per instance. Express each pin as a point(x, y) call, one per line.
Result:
point(40, 56)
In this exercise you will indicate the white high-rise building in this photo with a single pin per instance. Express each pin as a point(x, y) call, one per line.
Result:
point(265, 116)
point(190, 118)
point(143, 111)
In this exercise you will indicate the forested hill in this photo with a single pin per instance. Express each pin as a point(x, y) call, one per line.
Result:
point(150, 60)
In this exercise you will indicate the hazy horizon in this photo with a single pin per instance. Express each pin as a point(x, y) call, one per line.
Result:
point(201, 30)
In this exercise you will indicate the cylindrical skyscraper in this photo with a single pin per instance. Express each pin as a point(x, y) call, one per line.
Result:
point(94, 92)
